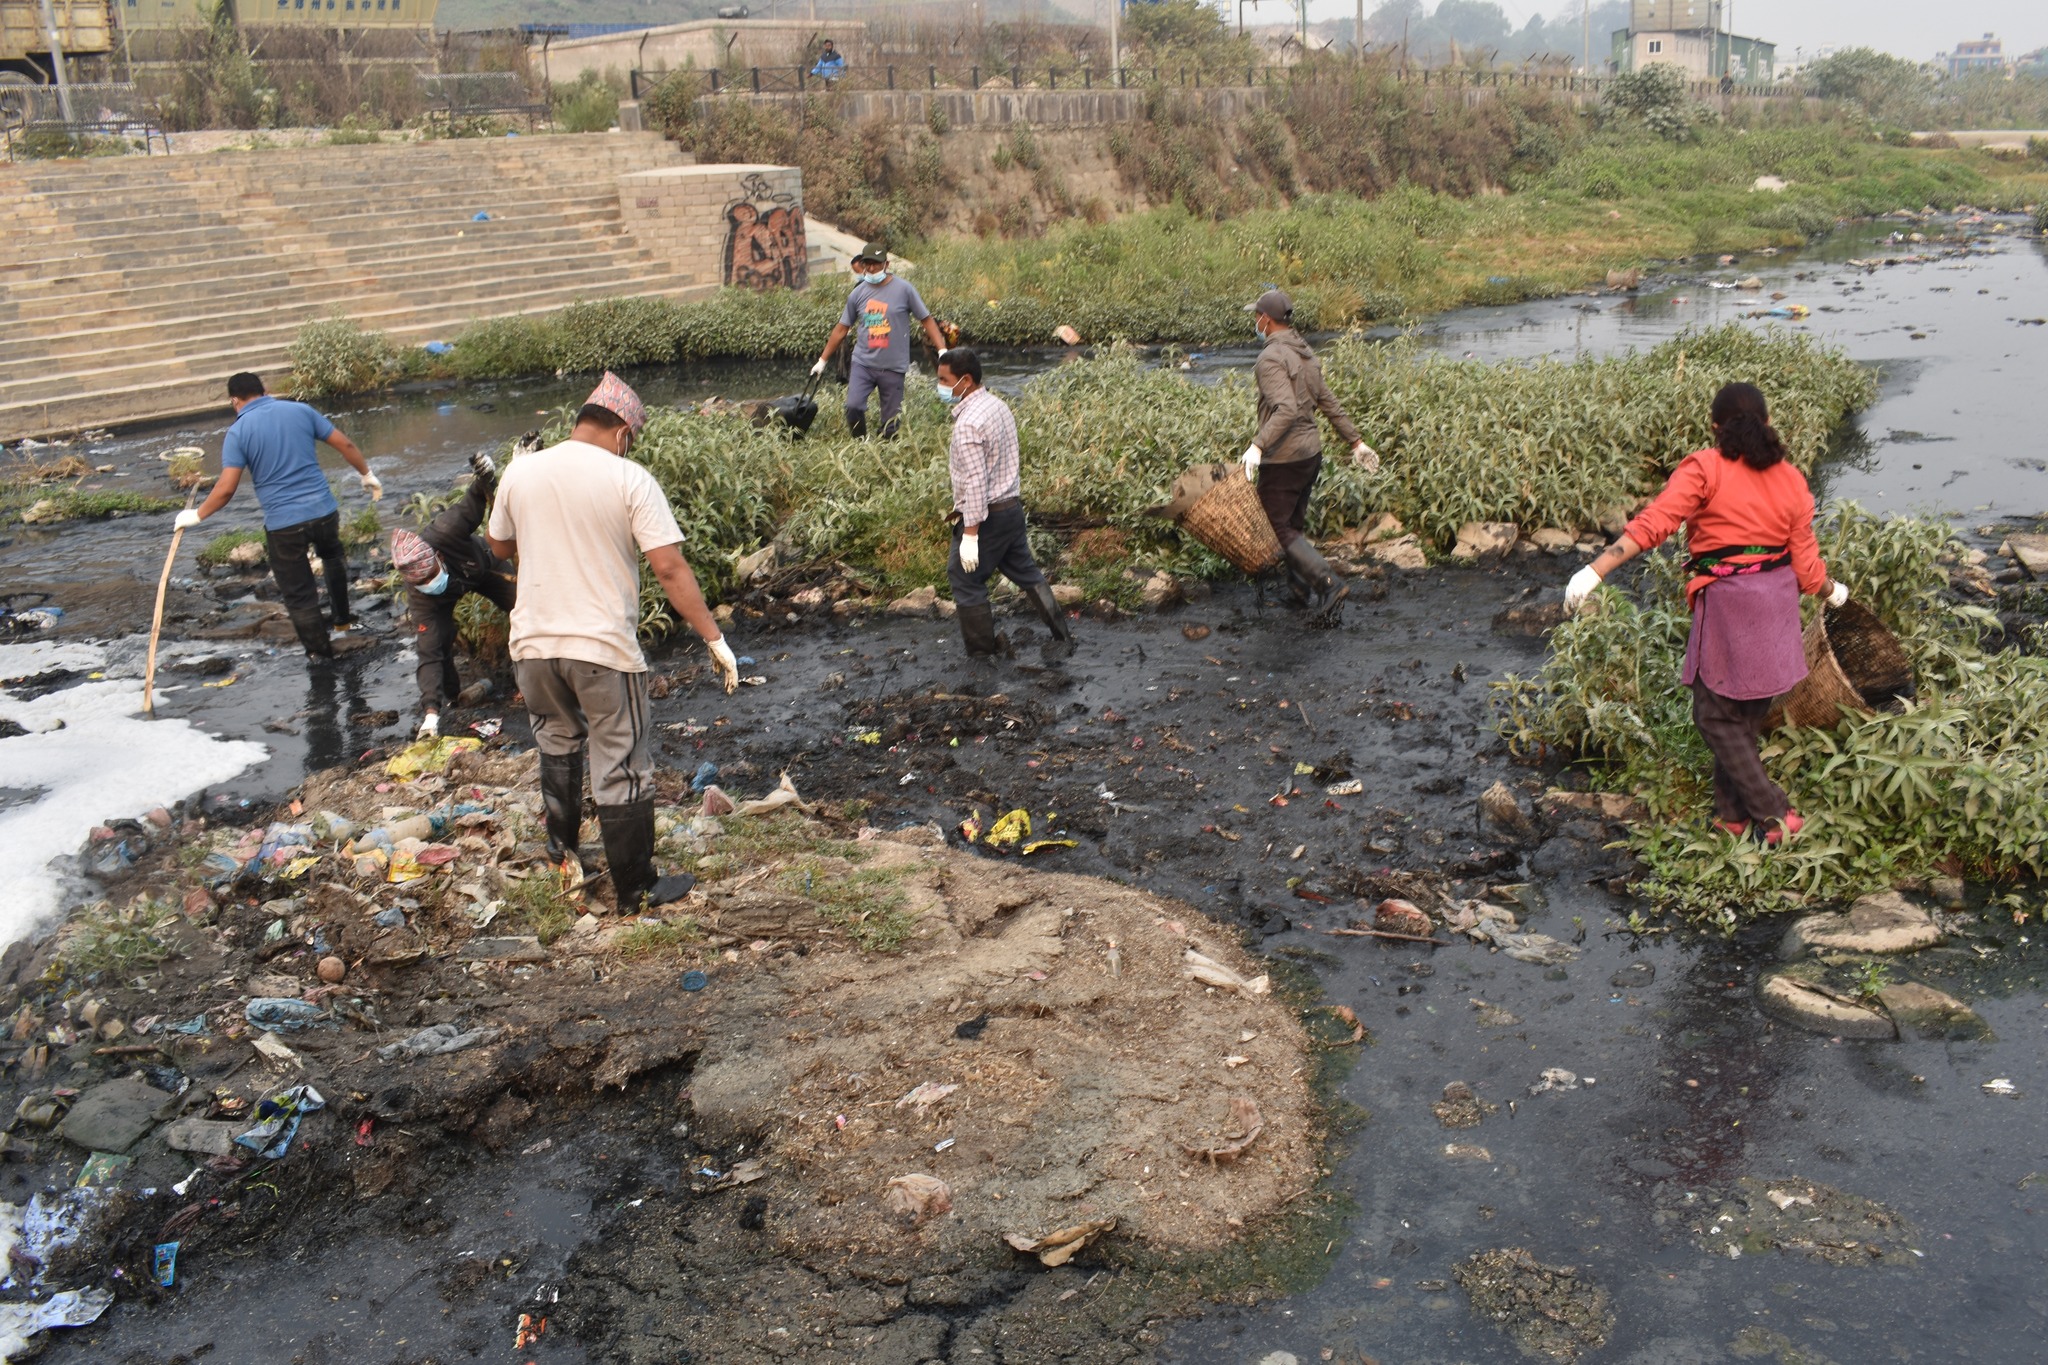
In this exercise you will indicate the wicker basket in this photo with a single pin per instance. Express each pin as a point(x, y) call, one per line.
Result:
point(1853, 661)
point(1229, 520)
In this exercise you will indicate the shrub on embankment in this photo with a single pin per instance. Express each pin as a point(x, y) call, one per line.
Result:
point(1541, 444)
point(1955, 783)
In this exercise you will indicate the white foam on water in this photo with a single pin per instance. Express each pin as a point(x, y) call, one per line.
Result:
point(90, 756)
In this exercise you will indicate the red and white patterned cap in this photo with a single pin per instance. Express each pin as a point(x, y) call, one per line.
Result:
point(614, 396)
point(414, 559)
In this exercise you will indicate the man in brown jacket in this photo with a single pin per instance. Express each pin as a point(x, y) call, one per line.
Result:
point(1286, 456)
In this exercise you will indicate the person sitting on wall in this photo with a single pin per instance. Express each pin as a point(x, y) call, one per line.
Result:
point(831, 66)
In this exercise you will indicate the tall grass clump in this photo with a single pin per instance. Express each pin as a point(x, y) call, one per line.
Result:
point(336, 356)
point(1954, 783)
point(1564, 444)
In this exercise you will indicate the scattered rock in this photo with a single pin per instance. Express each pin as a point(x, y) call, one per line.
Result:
point(1500, 806)
point(1947, 892)
point(1550, 538)
point(1066, 335)
point(1750, 283)
point(918, 1197)
point(1624, 279)
point(248, 555)
point(917, 602)
point(1387, 527)
point(1769, 184)
point(1931, 1013)
point(1884, 923)
point(1402, 552)
point(2031, 551)
point(1605, 805)
point(1461, 1107)
point(211, 1137)
point(1813, 1007)
point(1634, 976)
point(1530, 618)
point(1485, 539)
point(1160, 592)
point(1068, 594)
point(1549, 1311)
point(519, 948)
point(1613, 520)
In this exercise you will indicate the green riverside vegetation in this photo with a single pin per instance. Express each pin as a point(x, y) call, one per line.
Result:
point(1952, 784)
point(1105, 438)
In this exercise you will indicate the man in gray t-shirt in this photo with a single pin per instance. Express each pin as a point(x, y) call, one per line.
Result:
point(879, 315)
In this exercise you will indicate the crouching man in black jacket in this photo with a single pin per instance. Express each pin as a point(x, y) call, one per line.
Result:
point(440, 566)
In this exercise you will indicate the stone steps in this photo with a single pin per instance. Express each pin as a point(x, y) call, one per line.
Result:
point(130, 289)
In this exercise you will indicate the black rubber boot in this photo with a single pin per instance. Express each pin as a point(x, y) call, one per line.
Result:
point(629, 852)
point(561, 799)
point(856, 421)
point(1326, 590)
point(978, 630)
point(311, 626)
point(1050, 613)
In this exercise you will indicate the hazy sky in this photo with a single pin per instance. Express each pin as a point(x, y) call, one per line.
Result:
point(1915, 30)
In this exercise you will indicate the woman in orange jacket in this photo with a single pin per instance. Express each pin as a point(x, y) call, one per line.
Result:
point(1748, 516)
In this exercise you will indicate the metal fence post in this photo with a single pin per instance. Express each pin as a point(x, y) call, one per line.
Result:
point(757, 78)
point(892, 78)
point(976, 70)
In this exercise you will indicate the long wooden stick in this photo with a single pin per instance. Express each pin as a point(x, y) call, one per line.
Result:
point(156, 623)
point(1383, 934)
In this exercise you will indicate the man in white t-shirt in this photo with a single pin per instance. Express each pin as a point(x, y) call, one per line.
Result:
point(579, 516)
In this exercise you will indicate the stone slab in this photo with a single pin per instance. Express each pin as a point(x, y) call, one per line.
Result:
point(1931, 1013)
point(518, 948)
point(113, 1116)
point(1795, 1003)
point(1880, 924)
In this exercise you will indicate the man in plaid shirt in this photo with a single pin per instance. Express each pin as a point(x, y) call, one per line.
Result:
point(988, 509)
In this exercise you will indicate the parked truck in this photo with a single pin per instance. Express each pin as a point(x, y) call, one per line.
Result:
point(85, 28)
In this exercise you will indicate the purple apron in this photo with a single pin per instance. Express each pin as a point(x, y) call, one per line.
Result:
point(1745, 641)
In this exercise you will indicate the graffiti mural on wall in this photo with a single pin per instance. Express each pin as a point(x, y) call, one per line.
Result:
point(764, 240)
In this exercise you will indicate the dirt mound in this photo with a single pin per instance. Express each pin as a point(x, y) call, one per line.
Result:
point(1037, 1045)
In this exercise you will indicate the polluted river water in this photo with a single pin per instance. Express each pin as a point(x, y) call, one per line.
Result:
point(1681, 1090)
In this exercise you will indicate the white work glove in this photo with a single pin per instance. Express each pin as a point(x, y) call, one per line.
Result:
point(970, 552)
point(482, 465)
point(373, 485)
point(1251, 457)
point(186, 520)
point(430, 726)
point(728, 663)
point(818, 369)
point(1838, 595)
point(1581, 587)
point(1365, 457)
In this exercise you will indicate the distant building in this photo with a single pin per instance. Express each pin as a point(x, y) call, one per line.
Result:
point(1689, 34)
point(1987, 54)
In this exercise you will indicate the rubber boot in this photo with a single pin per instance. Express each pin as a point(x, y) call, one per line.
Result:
point(1326, 590)
point(856, 421)
point(561, 799)
point(629, 852)
point(978, 630)
point(311, 626)
point(1050, 613)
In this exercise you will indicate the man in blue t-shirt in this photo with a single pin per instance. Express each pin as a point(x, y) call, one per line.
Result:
point(278, 443)
point(879, 313)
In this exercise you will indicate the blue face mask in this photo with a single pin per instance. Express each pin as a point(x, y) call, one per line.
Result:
point(438, 585)
point(946, 394)
point(875, 278)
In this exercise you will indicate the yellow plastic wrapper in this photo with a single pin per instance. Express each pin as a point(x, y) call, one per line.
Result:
point(300, 867)
point(1039, 845)
point(1009, 830)
point(429, 755)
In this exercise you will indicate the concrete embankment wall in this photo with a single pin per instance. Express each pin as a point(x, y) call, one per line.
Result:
point(131, 287)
